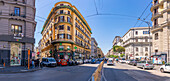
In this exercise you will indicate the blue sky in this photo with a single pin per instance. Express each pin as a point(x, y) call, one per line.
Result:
point(104, 27)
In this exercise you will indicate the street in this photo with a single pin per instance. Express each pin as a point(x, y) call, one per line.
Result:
point(118, 72)
point(63, 73)
point(124, 72)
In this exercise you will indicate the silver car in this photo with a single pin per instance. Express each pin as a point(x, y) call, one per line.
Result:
point(145, 65)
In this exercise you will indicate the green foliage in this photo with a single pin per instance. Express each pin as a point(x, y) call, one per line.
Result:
point(113, 56)
point(118, 49)
point(121, 55)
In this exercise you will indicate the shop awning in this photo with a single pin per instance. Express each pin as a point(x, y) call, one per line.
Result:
point(69, 53)
point(61, 53)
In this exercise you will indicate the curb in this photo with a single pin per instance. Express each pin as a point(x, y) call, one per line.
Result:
point(21, 71)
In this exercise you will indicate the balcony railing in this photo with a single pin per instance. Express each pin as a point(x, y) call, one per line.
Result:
point(22, 15)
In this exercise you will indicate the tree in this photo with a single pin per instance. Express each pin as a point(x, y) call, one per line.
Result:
point(118, 49)
point(122, 55)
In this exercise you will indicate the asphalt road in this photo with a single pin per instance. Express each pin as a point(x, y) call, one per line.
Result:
point(124, 72)
point(65, 73)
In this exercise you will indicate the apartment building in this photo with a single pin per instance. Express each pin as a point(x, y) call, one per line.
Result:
point(17, 27)
point(66, 34)
point(117, 41)
point(137, 43)
point(94, 46)
point(100, 53)
point(161, 29)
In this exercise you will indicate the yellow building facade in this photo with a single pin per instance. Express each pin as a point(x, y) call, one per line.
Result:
point(66, 34)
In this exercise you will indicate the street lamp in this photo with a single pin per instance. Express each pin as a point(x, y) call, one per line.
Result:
point(149, 24)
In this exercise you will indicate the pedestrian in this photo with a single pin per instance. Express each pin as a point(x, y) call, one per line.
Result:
point(33, 64)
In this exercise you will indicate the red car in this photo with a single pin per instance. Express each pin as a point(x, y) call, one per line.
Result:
point(59, 62)
point(64, 63)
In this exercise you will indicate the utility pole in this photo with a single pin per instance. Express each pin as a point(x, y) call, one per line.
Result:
point(148, 23)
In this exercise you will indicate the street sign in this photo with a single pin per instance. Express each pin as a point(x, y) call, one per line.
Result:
point(75, 47)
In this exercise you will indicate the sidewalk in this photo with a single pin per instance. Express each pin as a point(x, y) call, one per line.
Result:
point(17, 69)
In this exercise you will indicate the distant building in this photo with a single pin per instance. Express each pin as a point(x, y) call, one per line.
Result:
point(100, 53)
point(94, 46)
point(116, 41)
point(136, 42)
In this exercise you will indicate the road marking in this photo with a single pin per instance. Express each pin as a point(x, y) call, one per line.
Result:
point(103, 74)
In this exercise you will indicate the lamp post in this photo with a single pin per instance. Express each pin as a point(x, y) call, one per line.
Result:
point(149, 24)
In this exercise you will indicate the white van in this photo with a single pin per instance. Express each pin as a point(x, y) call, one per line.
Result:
point(110, 61)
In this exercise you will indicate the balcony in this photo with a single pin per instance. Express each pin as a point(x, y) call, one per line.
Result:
point(156, 15)
point(157, 4)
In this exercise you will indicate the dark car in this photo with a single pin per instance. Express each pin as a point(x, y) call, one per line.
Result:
point(133, 62)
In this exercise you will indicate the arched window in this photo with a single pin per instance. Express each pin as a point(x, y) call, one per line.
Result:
point(137, 54)
point(146, 54)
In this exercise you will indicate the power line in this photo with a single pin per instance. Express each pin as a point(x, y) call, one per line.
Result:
point(112, 14)
point(143, 13)
point(95, 6)
point(144, 19)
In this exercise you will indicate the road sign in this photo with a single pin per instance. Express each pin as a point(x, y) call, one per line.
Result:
point(75, 47)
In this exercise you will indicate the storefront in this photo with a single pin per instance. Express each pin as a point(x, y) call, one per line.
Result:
point(159, 59)
point(15, 54)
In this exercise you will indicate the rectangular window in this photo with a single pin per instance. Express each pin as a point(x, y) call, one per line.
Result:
point(61, 19)
point(68, 19)
point(68, 36)
point(16, 29)
point(156, 36)
point(68, 28)
point(61, 36)
point(17, 11)
point(61, 11)
point(146, 49)
point(136, 32)
point(61, 27)
point(136, 39)
point(145, 32)
point(69, 12)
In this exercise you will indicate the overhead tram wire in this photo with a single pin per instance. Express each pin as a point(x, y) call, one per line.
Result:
point(143, 13)
point(145, 19)
point(100, 14)
point(96, 6)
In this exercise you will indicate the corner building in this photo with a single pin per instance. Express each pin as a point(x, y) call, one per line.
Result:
point(17, 27)
point(66, 34)
point(161, 29)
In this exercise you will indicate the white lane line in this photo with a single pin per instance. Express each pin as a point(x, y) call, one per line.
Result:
point(103, 74)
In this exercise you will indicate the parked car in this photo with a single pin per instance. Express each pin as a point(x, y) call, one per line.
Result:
point(49, 62)
point(133, 62)
point(80, 61)
point(122, 60)
point(93, 61)
point(165, 68)
point(64, 63)
point(110, 61)
point(86, 61)
point(145, 65)
point(89, 61)
point(71, 62)
point(127, 61)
